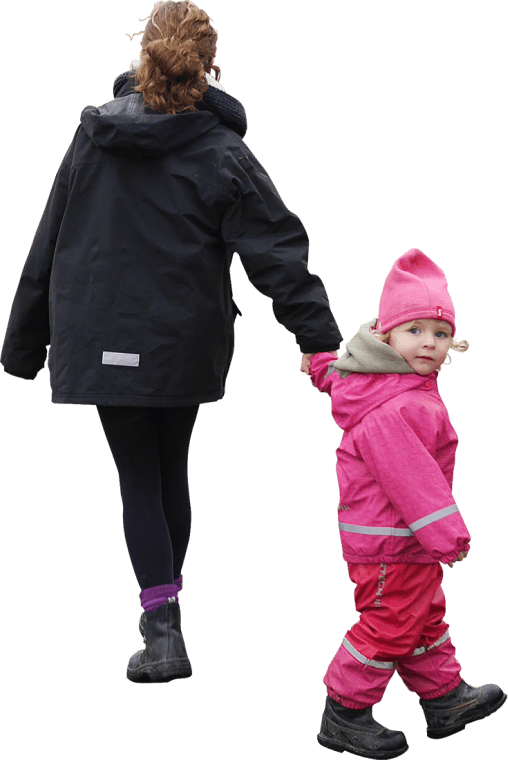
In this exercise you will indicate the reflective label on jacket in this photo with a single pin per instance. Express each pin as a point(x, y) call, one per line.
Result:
point(123, 360)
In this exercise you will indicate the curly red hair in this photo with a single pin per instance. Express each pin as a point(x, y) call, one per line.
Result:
point(177, 49)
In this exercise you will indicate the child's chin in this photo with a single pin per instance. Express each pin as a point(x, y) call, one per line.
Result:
point(423, 371)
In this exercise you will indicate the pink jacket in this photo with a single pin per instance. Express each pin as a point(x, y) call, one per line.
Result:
point(395, 462)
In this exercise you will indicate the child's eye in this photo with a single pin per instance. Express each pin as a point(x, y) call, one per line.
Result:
point(441, 334)
point(414, 330)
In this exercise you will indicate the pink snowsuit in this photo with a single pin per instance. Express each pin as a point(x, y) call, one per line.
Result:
point(397, 518)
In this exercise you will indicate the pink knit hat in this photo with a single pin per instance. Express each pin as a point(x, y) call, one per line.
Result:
point(416, 288)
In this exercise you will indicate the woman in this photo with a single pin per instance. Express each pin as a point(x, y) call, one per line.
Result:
point(128, 280)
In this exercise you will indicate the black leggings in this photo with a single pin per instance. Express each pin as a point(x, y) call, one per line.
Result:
point(150, 448)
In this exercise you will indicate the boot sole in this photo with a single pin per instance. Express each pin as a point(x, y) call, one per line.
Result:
point(436, 734)
point(159, 673)
point(379, 754)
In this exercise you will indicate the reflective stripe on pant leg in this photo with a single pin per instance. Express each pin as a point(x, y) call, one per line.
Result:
point(381, 665)
point(432, 672)
point(356, 681)
point(422, 650)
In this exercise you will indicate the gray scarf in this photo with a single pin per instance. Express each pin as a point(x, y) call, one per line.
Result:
point(365, 353)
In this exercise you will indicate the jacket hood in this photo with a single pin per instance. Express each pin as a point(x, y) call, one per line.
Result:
point(372, 373)
point(124, 126)
point(365, 353)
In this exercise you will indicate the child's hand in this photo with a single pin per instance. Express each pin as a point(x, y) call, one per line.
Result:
point(305, 366)
point(461, 556)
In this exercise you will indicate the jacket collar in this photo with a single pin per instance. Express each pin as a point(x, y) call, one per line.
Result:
point(366, 354)
point(229, 110)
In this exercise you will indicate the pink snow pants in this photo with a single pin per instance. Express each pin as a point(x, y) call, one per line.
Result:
point(401, 628)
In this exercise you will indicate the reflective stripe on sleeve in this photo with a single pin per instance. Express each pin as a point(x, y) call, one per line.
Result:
point(422, 650)
point(370, 531)
point(434, 517)
point(364, 660)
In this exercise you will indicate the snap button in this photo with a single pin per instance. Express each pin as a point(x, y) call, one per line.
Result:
point(428, 384)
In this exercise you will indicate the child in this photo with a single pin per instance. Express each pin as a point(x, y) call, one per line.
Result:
point(397, 516)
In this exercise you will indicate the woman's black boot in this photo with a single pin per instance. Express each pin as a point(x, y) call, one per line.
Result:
point(356, 731)
point(164, 657)
point(452, 712)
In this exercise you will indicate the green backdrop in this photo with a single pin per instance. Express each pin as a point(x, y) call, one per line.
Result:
point(382, 126)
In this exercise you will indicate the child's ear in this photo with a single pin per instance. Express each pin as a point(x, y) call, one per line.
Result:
point(381, 337)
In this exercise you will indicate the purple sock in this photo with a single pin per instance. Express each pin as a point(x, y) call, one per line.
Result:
point(153, 597)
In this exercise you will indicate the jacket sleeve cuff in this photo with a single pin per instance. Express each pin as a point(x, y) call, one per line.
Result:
point(308, 349)
point(320, 371)
point(445, 536)
point(19, 373)
point(461, 547)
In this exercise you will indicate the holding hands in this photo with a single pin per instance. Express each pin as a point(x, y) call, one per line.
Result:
point(305, 366)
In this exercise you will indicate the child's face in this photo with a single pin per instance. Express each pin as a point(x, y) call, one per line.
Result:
point(423, 343)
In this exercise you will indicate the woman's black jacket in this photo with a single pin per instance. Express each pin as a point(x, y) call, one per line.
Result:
point(128, 277)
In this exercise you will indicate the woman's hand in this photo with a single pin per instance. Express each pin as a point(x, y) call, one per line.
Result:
point(305, 366)
point(461, 556)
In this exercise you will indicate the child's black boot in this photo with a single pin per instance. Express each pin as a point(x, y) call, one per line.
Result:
point(164, 657)
point(452, 712)
point(356, 731)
